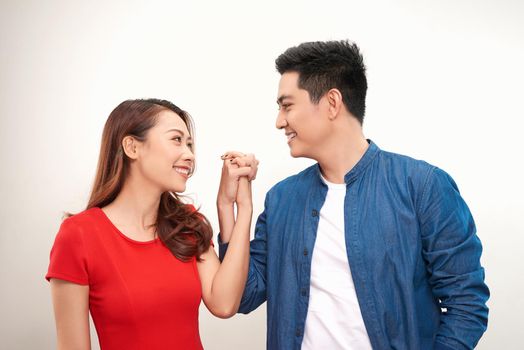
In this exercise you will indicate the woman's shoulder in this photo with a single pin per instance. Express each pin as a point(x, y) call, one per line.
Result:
point(78, 223)
point(87, 216)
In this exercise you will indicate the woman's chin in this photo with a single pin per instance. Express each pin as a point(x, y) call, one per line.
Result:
point(178, 189)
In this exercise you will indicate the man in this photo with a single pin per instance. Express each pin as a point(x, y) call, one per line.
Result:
point(367, 248)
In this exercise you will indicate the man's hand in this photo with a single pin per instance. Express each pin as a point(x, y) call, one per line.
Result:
point(235, 166)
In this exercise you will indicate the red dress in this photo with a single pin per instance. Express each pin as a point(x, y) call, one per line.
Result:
point(140, 295)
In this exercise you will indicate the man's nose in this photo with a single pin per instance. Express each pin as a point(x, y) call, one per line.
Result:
point(281, 120)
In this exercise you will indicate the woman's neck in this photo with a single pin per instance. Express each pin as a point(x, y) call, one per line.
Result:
point(134, 211)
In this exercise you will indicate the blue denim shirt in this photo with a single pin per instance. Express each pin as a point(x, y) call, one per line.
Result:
point(410, 242)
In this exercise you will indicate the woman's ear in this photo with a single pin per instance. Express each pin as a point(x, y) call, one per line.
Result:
point(334, 99)
point(129, 145)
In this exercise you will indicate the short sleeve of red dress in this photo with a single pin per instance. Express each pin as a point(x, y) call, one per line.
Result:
point(68, 260)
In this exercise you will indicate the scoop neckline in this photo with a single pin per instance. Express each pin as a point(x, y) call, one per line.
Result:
point(120, 233)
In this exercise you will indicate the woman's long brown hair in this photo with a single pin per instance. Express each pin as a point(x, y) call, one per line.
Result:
point(185, 231)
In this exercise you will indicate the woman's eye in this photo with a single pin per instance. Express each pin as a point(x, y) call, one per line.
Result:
point(177, 139)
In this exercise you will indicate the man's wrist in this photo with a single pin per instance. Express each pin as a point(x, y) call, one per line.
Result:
point(245, 207)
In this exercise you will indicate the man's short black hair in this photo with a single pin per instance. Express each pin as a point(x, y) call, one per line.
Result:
point(324, 65)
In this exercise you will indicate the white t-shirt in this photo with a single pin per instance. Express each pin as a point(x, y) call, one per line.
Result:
point(334, 320)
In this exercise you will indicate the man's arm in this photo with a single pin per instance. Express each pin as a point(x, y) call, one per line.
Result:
point(452, 251)
point(255, 291)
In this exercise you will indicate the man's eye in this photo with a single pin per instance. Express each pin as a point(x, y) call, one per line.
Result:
point(284, 106)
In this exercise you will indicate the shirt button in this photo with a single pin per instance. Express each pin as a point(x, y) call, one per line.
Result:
point(303, 292)
point(314, 213)
point(298, 333)
point(305, 252)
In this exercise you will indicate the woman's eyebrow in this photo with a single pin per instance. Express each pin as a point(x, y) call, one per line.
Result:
point(179, 131)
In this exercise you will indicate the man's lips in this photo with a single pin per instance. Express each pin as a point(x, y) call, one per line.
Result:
point(290, 136)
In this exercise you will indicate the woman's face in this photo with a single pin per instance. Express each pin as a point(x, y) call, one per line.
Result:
point(166, 157)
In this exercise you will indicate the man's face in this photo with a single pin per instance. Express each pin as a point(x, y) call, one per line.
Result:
point(304, 123)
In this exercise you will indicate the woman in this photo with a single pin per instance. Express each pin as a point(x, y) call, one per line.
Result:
point(138, 258)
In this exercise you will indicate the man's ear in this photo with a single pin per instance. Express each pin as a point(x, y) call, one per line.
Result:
point(129, 145)
point(334, 99)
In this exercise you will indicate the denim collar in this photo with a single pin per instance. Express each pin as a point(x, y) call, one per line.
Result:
point(361, 165)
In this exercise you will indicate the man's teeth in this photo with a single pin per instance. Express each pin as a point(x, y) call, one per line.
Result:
point(290, 136)
point(182, 170)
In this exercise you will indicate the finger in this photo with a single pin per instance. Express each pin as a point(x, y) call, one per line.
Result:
point(252, 175)
point(246, 160)
point(250, 158)
point(231, 154)
point(240, 161)
point(230, 164)
point(254, 168)
point(239, 172)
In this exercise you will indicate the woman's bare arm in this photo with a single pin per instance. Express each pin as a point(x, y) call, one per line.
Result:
point(71, 305)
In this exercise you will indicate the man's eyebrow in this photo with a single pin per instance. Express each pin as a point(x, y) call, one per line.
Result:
point(282, 98)
point(180, 131)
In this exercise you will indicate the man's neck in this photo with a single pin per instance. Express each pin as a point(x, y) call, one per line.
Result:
point(340, 157)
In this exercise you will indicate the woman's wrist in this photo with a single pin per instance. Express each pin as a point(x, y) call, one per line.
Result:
point(223, 204)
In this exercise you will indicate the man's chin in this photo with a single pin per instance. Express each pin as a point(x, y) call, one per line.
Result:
point(294, 154)
point(301, 154)
point(297, 153)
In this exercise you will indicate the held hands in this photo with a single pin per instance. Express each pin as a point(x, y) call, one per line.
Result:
point(238, 170)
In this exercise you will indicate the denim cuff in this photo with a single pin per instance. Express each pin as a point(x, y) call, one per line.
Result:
point(222, 248)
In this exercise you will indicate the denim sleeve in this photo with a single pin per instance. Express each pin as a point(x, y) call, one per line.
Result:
point(222, 248)
point(255, 291)
point(452, 250)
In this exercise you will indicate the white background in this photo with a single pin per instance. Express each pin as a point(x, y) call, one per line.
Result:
point(445, 85)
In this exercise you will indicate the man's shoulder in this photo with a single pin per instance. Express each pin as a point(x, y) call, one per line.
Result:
point(295, 181)
point(419, 173)
point(404, 165)
point(402, 159)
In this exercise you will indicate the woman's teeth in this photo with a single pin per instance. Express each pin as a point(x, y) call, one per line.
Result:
point(182, 170)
